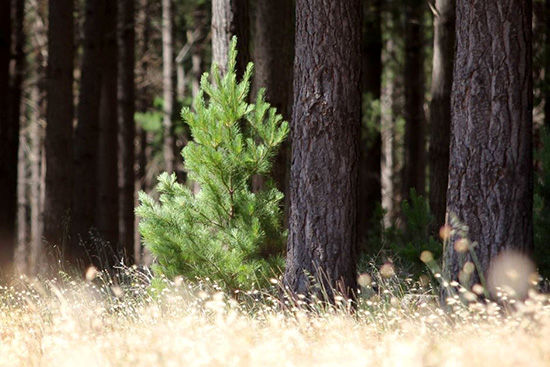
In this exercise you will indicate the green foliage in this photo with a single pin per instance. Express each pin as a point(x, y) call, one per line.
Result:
point(542, 207)
point(224, 232)
point(405, 240)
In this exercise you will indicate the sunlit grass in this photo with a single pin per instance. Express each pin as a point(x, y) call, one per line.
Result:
point(62, 322)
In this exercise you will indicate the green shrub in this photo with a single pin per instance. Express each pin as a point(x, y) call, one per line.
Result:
point(224, 232)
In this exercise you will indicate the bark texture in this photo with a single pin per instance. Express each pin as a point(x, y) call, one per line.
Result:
point(546, 18)
point(59, 129)
point(230, 18)
point(414, 163)
point(491, 173)
point(168, 83)
point(126, 127)
point(107, 191)
point(440, 108)
point(8, 150)
point(273, 63)
point(324, 133)
point(370, 149)
point(87, 133)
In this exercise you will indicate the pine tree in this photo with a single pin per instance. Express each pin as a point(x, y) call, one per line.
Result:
point(225, 231)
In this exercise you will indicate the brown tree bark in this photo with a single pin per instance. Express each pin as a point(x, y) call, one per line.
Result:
point(107, 191)
point(59, 129)
point(273, 63)
point(168, 83)
point(414, 167)
point(546, 17)
point(491, 173)
point(8, 149)
point(370, 149)
point(127, 127)
point(87, 134)
point(230, 18)
point(325, 137)
point(440, 108)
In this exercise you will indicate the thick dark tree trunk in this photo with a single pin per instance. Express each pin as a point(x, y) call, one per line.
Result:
point(230, 18)
point(491, 166)
point(414, 167)
point(370, 148)
point(107, 191)
point(325, 137)
point(273, 62)
point(8, 148)
point(440, 108)
point(126, 126)
point(87, 134)
point(59, 128)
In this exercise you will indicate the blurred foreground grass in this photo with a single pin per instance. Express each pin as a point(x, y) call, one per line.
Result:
point(63, 322)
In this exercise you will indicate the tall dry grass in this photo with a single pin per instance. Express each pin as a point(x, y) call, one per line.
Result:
point(63, 322)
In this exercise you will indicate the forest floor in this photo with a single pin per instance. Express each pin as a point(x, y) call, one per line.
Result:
point(62, 322)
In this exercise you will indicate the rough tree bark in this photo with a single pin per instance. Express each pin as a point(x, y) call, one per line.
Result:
point(273, 62)
point(168, 83)
point(87, 133)
point(126, 127)
point(324, 133)
point(8, 150)
point(546, 17)
point(107, 190)
point(59, 129)
point(491, 173)
point(440, 108)
point(370, 149)
point(230, 18)
point(414, 166)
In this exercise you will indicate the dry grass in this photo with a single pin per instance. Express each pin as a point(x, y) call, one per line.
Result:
point(66, 323)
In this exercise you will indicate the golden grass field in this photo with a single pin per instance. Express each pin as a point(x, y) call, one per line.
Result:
point(62, 322)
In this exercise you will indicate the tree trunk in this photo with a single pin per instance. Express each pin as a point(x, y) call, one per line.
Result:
point(440, 108)
point(127, 127)
point(370, 148)
point(546, 18)
point(168, 83)
point(22, 247)
point(8, 149)
point(107, 191)
point(59, 129)
point(490, 172)
point(273, 58)
point(230, 18)
point(87, 134)
point(414, 168)
point(325, 136)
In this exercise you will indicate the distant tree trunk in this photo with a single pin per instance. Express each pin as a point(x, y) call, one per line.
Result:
point(414, 168)
point(440, 108)
point(22, 247)
point(273, 62)
point(87, 133)
point(59, 129)
point(107, 209)
point(230, 18)
point(325, 137)
point(546, 18)
point(8, 149)
point(168, 83)
point(127, 127)
point(491, 173)
point(370, 148)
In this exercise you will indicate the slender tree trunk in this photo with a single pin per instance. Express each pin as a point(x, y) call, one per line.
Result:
point(127, 127)
point(273, 62)
point(440, 108)
point(107, 202)
point(414, 168)
point(230, 18)
point(168, 83)
point(22, 248)
point(59, 129)
point(370, 149)
point(546, 18)
point(8, 149)
point(490, 172)
point(325, 137)
point(87, 134)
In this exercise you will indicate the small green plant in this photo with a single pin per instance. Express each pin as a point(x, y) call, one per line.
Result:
point(224, 232)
